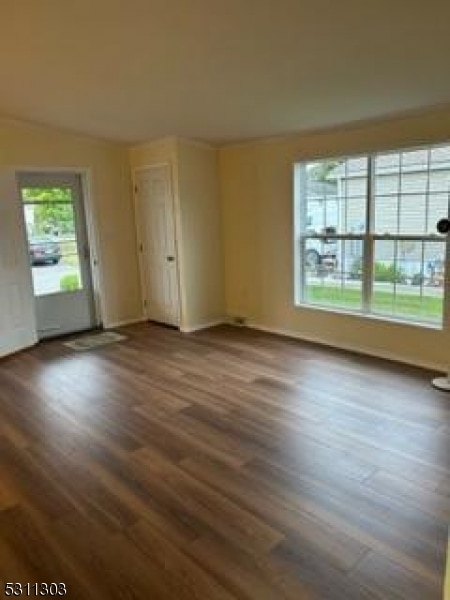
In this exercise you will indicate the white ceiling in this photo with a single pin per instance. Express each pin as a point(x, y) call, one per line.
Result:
point(220, 70)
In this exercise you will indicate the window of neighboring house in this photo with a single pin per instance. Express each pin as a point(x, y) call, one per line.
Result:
point(365, 233)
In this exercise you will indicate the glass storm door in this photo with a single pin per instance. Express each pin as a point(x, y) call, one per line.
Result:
point(58, 252)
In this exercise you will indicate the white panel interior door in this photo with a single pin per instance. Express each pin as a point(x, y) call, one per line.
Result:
point(17, 318)
point(156, 238)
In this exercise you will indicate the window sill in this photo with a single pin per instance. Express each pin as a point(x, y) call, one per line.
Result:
point(339, 311)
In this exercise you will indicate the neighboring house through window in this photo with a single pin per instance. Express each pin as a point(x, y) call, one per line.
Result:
point(365, 233)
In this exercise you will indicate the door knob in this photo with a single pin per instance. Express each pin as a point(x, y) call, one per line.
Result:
point(170, 258)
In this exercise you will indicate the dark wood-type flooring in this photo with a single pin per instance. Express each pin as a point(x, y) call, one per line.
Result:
point(226, 464)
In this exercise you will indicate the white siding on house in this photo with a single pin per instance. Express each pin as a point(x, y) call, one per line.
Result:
point(411, 193)
point(352, 195)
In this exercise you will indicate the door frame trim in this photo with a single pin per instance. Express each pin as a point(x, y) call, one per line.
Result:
point(177, 234)
point(30, 337)
point(95, 262)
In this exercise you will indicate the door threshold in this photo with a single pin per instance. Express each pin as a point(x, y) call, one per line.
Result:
point(63, 336)
point(165, 325)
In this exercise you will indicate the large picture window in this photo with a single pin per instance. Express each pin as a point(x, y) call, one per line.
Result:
point(365, 233)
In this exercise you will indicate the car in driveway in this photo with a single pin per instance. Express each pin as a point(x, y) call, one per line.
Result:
point(44, 250)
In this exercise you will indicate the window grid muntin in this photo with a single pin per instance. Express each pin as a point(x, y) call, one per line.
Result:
point(370, 237)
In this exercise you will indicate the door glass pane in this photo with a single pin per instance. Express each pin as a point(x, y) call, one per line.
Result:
point(52, 241)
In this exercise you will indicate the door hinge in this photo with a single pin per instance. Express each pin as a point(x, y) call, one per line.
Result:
point(141, 248)
point(135, 189)
point(145, 303)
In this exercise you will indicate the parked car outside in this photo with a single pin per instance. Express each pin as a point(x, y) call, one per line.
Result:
point(44, 250)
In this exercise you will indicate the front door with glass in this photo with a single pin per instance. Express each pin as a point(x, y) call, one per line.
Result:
point(58, 252)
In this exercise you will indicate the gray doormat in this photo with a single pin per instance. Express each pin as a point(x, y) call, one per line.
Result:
point(87, 342)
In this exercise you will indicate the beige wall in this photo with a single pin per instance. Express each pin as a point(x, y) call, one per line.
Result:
point(25, 146)
point(196, 196)
point(256, 192)
point(201, 234)
point(160, 151)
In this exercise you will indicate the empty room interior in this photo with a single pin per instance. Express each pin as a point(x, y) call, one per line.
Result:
point(225, 300)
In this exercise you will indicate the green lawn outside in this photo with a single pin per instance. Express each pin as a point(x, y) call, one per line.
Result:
point(406, 305)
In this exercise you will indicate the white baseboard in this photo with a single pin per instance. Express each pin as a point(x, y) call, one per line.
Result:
point(349, 347)
point(21, 344)
point(114, 324)
point(199, 326)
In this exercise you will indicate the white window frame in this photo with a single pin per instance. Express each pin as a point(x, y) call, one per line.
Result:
point(369, 238)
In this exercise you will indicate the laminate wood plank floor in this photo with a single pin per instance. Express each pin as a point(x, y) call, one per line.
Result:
point(225, 464)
